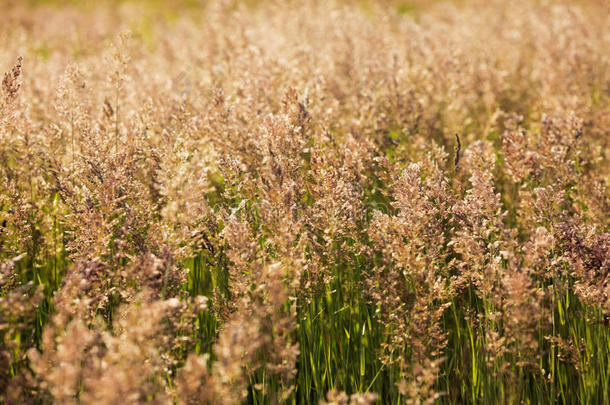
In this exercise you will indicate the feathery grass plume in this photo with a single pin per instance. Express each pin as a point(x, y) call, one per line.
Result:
point(132, 360)
point(333, 397)
point(10, 88)
point(411, 286)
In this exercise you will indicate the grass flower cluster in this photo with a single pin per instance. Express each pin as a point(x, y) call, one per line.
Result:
point(303, 202)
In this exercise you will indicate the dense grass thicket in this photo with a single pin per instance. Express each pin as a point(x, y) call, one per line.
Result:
point(305, 202)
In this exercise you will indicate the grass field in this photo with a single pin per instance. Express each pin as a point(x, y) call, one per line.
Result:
point(303, 202)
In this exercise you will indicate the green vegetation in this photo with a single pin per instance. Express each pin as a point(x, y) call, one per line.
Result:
point(305, 202)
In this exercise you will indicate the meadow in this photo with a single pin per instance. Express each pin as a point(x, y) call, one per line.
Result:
point(305, 202)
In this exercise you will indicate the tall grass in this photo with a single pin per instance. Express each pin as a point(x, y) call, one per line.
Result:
point(305, 202)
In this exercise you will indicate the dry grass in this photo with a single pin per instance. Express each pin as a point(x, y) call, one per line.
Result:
point(305, 202)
